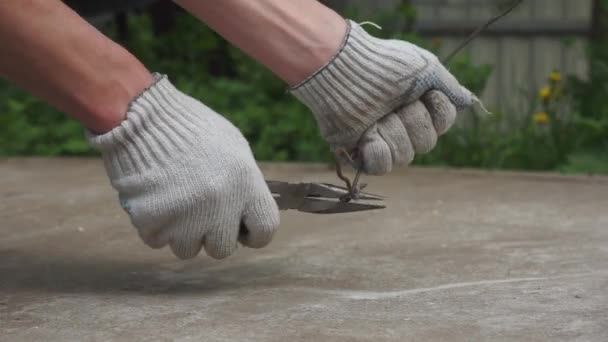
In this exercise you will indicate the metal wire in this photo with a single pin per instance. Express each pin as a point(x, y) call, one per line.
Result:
point(480, 30)
point(353, 187)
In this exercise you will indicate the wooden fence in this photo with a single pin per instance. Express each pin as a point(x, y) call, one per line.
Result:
point(539, 37)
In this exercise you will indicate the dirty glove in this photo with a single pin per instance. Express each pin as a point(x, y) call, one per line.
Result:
point(390, 98)
point(186, 176)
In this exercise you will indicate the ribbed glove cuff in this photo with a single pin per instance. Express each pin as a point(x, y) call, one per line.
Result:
point(147, 139)
point(366, 80)
point(362, 83)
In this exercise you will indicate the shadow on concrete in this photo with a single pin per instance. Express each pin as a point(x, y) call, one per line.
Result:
point(21, 271)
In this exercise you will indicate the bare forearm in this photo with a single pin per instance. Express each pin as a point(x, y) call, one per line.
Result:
point(291, 38)
point(53, 53)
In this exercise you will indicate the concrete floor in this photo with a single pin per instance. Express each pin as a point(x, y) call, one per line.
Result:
point(457, 256)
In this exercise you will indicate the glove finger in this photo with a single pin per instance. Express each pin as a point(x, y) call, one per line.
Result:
point(157, 238)
point(419, 126)
point(260, 221)
point(393, 132)
point(460, 96)
point(443, 112)
point(184, 245)
point(152, 229)
point(375, 153)
point(221, 240)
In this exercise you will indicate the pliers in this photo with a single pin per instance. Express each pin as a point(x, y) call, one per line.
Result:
point(321, 198)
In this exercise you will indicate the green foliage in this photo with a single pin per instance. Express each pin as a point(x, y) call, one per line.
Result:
point(30, 127)
point(204, 66)
point(589, 103)
point(557, 138)
point(279, 128)
point(487, 143)
point(472, 76)
point(590, 99)
point(570, 134)
point(591, 162)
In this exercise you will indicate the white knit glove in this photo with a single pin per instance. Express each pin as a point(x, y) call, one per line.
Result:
point(187, 176)
point(390, 98)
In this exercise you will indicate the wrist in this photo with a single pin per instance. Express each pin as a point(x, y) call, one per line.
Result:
point(291, 38)
point(156, 128)
point(72, 66)
point(110, 93)
point(315, 43)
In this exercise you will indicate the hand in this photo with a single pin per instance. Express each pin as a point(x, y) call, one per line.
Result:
point(186, 176)
point(389, 98)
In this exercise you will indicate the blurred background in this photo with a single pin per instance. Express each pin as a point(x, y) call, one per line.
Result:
point(542, 72)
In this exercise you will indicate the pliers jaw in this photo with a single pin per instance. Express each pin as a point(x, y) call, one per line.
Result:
point(326, 206)
point(321, 198)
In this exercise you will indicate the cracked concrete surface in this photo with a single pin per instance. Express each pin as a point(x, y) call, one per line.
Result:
point(457, 256)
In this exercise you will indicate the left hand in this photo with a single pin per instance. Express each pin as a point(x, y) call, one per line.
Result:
point(389, 98)
point(186, 176)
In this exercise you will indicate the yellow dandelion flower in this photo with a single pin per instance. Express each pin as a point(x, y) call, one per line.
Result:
point(545, 92)
point(541, 117)
point(555, 76)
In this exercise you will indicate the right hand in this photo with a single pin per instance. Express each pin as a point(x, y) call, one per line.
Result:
point(186, 176)
point(389, 99)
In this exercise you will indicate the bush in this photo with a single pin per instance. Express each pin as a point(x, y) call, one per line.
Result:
point(203, 65)
point(30, 127)
point(555, 138)
point(279, 128)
